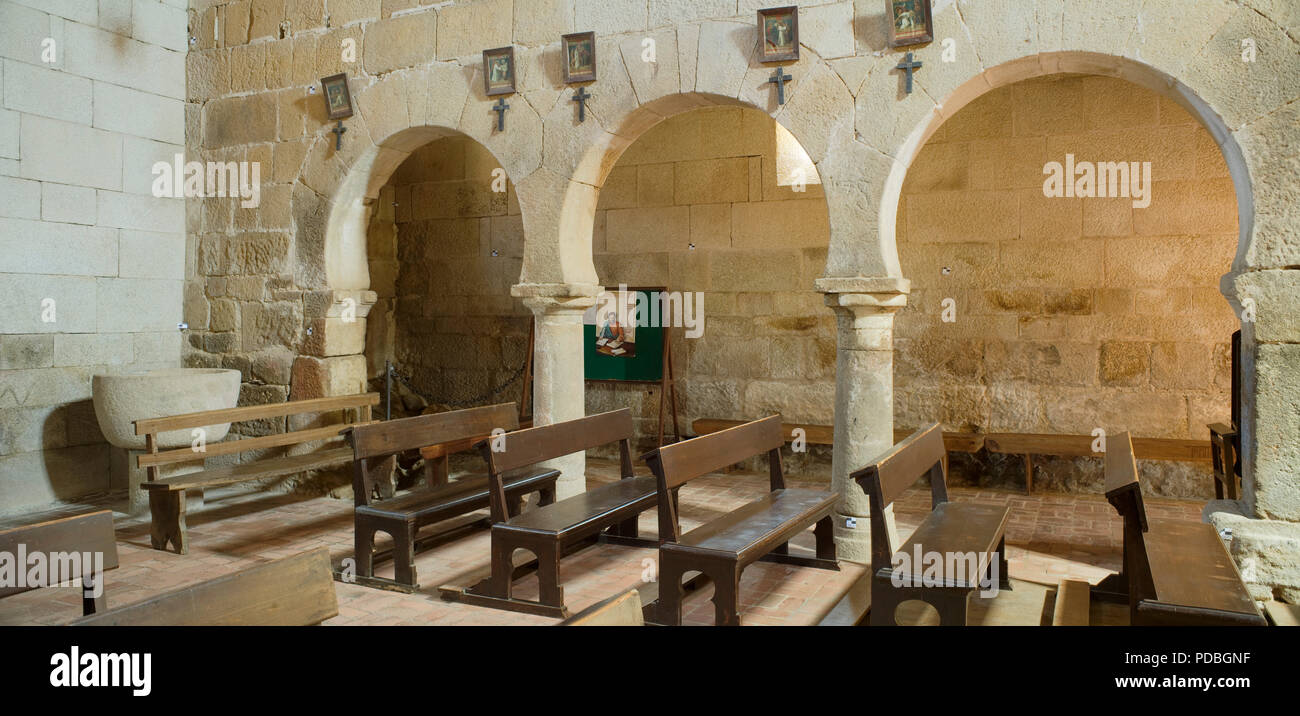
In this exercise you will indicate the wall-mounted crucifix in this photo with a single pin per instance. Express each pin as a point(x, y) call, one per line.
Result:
point(908, 66)
point(581, 97)
point(338, 131)
point(779, 78)
point(500, 108)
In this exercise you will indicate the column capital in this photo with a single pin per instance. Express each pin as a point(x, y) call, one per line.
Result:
point(556, 290)
point(882, 287)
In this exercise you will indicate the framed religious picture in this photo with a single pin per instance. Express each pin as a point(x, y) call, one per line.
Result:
point(910, 22)
point(338, 100)
point(579, 57)
point(778, 28)
point(499, 71)
point(621, 342)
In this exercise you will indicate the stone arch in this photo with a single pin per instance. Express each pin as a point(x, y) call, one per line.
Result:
point(1090, 63)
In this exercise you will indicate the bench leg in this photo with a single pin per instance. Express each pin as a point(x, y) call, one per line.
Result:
point(167, 509)
point(363, 542)
point(671, 592)
point(885, 598)
point(726, 597)
point(502, 568)
point(515, 505)
point(951, 606)
point(1004, 571)
point(825, 534)
point(404, 555)
point(550, 592)
point(546, 496)
point(92, 604)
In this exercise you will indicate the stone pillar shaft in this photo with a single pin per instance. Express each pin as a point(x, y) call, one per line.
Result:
point(864, 407)
point(558, 387)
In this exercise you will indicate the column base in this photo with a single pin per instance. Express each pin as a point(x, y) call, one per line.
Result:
point(1264, 550)
point(854, 543)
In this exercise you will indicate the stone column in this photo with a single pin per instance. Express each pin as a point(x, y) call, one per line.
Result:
point(558, 387)
point(864, 396)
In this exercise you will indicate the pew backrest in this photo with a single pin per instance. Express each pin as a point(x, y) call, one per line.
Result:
point(547, 442)
point(293, 591)
point(375, 443)
point(1123, 489)
point(921, 453)
point(677, 464)
point(58, 540)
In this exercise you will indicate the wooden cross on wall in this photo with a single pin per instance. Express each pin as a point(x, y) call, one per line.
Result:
point(338, 131)
point(581, 97)
point(907, 65)
point(500, 108)
point(779, 78)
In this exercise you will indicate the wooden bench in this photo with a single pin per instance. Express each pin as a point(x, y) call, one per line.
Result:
point(375, 448)
point(84, 544)
point(825, 434)
point(549, 531)
point(1072, 604)
point(963, 534)
point(760, 529)
point(166, 494)
point(1225, 460)
point(1030, 444)
point(437, 458)
point(293, 591)
point(619, 610)
point(1174, 572)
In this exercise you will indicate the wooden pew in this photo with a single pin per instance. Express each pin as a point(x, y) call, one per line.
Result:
point(1225, 460)
point(89, 535)
point(1175, 572)
point(824, 434)
point(951, 528)
point(1030, 444)
point(760, 529)
point(619, 610)
point(549, 531)
point(437, 457)
point(375, 447)
point(167, 494)
point(293, 591)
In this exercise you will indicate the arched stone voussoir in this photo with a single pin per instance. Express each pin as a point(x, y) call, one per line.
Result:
point(585, 151)
point(725, 53)
point(1240, 91)
point(820, 115)
point(654, 70)
point(1271, 147)
point(384, 103)
point(519, 147)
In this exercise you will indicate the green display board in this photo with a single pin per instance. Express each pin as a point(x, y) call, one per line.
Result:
point(618, 341)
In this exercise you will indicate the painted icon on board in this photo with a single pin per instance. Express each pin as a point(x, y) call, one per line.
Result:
point(579, 57)
point(499, 71)
point(338, 101)
point(779, 29)
point(910, 22)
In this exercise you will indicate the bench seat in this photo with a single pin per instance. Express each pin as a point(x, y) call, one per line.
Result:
point(747, 533)
point(959, 528)
point(587, 511)
point(245, 471)
point(1212, 586)
point(466, 494)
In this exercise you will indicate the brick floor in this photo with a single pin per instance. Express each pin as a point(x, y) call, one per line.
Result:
point(1051, 537)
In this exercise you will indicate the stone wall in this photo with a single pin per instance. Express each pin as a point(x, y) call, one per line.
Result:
point(445, 248)
point(695, 205)
point(1070, 313)
point(84, 116)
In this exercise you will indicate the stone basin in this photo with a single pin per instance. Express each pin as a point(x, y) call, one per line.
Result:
point(125, 397)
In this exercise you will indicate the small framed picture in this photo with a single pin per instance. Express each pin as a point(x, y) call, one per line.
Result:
point(499, 71)
point(910, 22)
point(338, 100)
point(779, 29)
point(579, 57)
